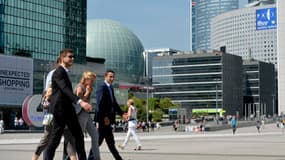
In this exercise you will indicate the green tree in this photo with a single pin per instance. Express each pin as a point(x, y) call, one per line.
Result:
point(165, 104)
point(157, 115)
point(153, 104)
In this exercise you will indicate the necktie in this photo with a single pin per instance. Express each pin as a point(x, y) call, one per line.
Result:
point(112, 97)
point(111, 92)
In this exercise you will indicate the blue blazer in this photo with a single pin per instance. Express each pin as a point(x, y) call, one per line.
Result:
point(105, 107)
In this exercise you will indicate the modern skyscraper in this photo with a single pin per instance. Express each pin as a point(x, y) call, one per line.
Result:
point(40, 29)
point(204, 12)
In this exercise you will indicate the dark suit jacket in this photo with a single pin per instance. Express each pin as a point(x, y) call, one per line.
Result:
point(62, 94)
point(105, 107)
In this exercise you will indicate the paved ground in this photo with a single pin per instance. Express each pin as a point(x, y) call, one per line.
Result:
point(166, 144)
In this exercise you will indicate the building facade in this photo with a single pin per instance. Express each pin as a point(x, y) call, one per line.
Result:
point(240, 32)
point(204, 12)
point(40, 29)
point(259, 88)
point(149, 54)
point(261, 2)
point(200, 81)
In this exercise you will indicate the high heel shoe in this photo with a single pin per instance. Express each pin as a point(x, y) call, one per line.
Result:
point(138, 148)
point(121, 146)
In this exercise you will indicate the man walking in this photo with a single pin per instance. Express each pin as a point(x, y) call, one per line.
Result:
point(106, 108)
point(62, 108)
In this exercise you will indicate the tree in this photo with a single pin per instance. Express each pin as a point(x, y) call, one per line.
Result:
point(165, 104)
point(157, 115)
point(153, 104)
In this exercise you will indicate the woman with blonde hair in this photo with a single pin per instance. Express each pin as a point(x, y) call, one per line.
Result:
point(132, 125)
point(84, 90)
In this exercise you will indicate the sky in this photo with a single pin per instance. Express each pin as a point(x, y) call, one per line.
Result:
point(157, 23)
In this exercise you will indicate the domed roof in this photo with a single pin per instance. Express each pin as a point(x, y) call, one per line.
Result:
point(120, 47)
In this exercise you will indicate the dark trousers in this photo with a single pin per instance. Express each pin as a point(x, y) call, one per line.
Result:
point(70, 120)
point(106, 132)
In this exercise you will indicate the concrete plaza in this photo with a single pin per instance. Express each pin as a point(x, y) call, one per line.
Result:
point(166, 144)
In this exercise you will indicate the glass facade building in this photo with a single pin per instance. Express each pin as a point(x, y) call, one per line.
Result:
point(204, 12)
point(40, 28)
point(200, 81)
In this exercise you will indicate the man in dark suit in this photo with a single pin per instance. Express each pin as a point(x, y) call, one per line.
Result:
point(106, 108)
point(62, 108)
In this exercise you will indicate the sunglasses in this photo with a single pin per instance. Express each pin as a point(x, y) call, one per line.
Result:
point(70, 56)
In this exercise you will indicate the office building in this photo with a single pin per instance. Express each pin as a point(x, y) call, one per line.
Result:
point(204, 12)
point(247, 32)
point(36, 30)
point(259, 88)
point(40, 29)
point(200, 81)
point(149, 54)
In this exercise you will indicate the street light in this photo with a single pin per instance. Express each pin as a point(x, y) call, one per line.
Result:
point(147, 87)
point(217, 103)
point(273, 105)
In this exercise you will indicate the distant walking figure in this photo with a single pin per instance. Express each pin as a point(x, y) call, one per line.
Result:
point(234, 124)
point(132, 125)
point(258, 124)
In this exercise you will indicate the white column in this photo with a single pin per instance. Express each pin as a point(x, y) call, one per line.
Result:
point(281, 55)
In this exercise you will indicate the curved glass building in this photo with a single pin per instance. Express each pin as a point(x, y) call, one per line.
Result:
point(204, 12)
point(120, 47)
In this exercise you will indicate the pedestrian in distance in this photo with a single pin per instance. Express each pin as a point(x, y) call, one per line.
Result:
point(258, 124)
point(234, 124)
point(62, 109)
point(132, 125)
point(106, 109)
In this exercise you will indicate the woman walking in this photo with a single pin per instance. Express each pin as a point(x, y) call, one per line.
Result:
point(84, 90)
point(132, 125)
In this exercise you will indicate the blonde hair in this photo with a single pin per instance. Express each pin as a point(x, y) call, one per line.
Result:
point(131, 102)
point(87, 75)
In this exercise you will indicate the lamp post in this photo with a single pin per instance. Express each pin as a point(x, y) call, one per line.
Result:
point(147, 87)
point(273, 105)
point(217, 103)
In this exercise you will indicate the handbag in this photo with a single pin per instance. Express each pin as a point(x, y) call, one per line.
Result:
point(40, 107)
point(48, 118)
